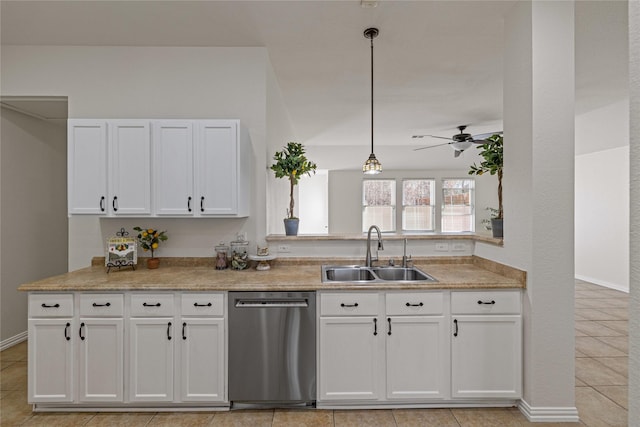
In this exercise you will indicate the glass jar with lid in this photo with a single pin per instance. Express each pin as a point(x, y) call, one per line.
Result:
point(222, 252)
point(239, 255)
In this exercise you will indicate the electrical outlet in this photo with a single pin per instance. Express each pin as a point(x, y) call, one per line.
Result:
point(442, 247)
point(284, 249)
point(459, 247)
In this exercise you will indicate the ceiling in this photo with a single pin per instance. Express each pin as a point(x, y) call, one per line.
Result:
point(438, 64)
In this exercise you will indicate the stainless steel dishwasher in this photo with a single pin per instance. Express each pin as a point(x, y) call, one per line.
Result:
point(272, 349)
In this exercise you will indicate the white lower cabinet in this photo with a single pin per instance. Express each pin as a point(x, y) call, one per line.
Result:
point(151, 359)
point(202, 366)
point(51, 361)
point(486, 345)
point(371, 343)
point(101, 360)
point(417, 357)
point(422, 347)
point(119, 351)
point(349, 358)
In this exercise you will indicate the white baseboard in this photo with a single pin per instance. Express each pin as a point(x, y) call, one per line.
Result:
point(10, 342)
point(614, 286)
point(549, 414)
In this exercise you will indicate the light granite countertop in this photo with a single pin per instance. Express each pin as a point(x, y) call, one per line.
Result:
point(198, 274)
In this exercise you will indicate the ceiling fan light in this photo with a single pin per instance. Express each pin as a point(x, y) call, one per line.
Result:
point(372, 166)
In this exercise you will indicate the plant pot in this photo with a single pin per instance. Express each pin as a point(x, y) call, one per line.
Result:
point(153, 263)
point(496, 227)
point(291, 226)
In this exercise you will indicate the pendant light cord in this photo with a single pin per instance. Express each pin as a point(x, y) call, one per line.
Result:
point(372, 95)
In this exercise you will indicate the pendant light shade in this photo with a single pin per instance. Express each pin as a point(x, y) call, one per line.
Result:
point(372, 165)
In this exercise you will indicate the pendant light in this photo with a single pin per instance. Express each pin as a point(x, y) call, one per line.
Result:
point(372, 165)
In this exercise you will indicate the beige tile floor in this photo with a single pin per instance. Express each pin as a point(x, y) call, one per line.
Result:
point(601, 388)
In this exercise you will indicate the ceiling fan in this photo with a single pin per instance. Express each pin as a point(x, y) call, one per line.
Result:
point(459, 142)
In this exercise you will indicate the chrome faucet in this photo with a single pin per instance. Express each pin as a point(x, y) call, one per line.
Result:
point(368, 260)
point(406, 260)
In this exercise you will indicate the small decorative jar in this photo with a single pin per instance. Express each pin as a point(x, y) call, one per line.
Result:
point(239, 255)
point(222, 252)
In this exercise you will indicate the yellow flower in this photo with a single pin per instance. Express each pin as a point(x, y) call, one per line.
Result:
point(144, 234)
point(154, 246)
point(150, 231)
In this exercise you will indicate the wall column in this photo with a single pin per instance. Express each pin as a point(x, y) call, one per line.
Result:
point(634, 202)
point(539, 95)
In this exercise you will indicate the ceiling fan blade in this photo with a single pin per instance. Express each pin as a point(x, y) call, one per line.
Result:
point(486, 135)
point(432, 146)
point(436, 136)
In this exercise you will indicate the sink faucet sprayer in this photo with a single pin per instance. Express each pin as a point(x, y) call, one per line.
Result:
point(369, 259)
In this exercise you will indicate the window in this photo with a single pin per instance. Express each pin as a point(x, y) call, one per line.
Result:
point(379, 204)
point(458, 205)
point(418, 213)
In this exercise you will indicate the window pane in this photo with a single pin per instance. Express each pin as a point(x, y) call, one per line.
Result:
point(379, 204)
point(418, 212)
point(458, 205)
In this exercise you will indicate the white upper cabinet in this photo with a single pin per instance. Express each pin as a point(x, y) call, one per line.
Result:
point(173, 166)
point(130, 171)
point(196, 168)
point(87, 166)
point(222, 169)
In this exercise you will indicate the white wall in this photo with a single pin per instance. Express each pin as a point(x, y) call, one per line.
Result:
point(345, 195)
point(155, 82)
point(313, 193)
point(33, 211)
point(602, 217)
point(634, 133)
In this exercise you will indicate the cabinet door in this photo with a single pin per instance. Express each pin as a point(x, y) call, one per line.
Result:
point(486, 356)
point(217, 171)
point(173, 153)
point(203, 360)
point(50, 360)
point(417, 357)
point(87, 166)
point(350, 349)
point(151, 359)
point(130, 171)
point(101, 355)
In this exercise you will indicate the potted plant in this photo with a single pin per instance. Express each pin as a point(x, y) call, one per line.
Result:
point(291, 163)
point(149, 241)
point(492, 163)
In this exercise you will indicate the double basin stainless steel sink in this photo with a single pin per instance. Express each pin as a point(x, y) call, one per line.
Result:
point(368, 275)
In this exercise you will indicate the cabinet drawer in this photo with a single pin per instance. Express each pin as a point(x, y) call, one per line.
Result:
point(150, 305)
point(485, 302)
point(101, 305)
point(414, 303)
point(202, 304)
point(50, 305)
point(349, 304)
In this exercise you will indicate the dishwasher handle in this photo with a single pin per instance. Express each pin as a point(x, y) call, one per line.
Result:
point(271, 303)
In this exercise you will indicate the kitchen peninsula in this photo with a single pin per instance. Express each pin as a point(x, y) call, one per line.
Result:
point(158, 338)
